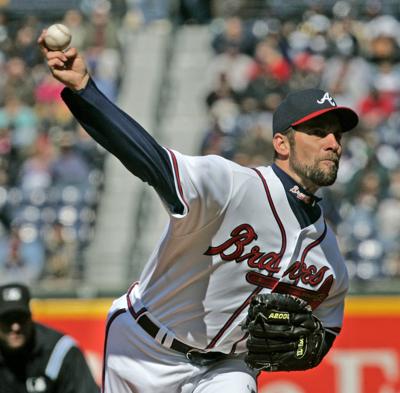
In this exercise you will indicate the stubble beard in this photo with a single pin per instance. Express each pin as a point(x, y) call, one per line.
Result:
point(313, 173)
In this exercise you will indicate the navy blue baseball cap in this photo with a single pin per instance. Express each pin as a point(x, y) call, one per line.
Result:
point(303, 105)
point(14, 297)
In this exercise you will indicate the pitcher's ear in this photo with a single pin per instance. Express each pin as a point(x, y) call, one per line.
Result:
point(281, 145)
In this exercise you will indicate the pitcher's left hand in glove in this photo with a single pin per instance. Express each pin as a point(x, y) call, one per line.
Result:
point(284, 335)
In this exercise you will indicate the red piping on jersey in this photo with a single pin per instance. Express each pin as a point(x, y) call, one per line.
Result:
point(313, 298)
point(178, 178)
point(261, 280)
point(232, 318)
point(258, 289)
point(274, 212)
point(110, 321)
point(313, 244)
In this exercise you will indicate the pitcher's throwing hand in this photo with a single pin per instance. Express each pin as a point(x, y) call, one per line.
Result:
point(68, 67)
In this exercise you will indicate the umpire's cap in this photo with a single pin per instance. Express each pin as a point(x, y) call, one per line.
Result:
point(304, 105)
point(14, 297)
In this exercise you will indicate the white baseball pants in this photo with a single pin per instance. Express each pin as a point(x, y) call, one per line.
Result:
point(134, 362)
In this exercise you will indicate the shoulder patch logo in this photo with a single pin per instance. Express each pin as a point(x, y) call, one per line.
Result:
point(327, 97)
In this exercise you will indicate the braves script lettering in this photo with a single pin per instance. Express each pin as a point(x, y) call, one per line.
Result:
point(240, 237)
point(233, 249)
point(307, 274)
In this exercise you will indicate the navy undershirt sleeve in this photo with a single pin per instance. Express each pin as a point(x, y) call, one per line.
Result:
point(126, 139)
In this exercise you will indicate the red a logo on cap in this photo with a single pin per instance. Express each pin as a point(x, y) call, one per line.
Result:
point(327, 97)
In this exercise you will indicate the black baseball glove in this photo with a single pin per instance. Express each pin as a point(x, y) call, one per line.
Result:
point(284, 335)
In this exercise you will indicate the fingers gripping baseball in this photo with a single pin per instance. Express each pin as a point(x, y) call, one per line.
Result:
point(68, 67)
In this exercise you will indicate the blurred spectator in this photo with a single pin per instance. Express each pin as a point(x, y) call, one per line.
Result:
point(36, 358)
point(21, 254)
point(69, 168)
point(5, 39)
point(307, 70)
point(195, 11)
point(18, 81)
point(375, 107)
point(25, 45)
point(388, 213)
point(255, 148)
point(217, 141)
point(61, 252)
point(270, 63)
point(103, 49)
point(234, 33)
point(48, 91)
point(101, 32)
point(74, 20)
point(153, 10)
point(35, 173)
point(231, 63)
point(50, 109)
point(222, 91)
point(8, 171)
point(347, 75)
point(22, 121)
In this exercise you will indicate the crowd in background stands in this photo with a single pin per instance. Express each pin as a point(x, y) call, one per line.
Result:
point(356, 57)
point(51, 171)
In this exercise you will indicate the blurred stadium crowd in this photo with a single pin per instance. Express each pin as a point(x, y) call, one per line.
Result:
point(351, 51)
point(51, 172)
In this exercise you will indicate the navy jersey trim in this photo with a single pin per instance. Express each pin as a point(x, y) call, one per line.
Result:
point(274, 212)
point(175, 168)
point(306, 210)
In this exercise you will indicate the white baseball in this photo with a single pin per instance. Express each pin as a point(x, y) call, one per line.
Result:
point(58, 37)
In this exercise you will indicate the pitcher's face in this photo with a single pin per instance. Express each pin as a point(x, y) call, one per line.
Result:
point(315, 150)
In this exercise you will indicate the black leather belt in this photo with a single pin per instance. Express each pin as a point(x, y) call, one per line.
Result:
point(195, 355)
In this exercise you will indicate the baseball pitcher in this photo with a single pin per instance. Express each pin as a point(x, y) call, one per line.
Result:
point(247, 275)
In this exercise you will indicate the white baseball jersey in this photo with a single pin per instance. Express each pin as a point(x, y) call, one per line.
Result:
point(238, 236)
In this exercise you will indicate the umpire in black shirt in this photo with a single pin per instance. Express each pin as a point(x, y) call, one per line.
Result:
point(35, 358)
